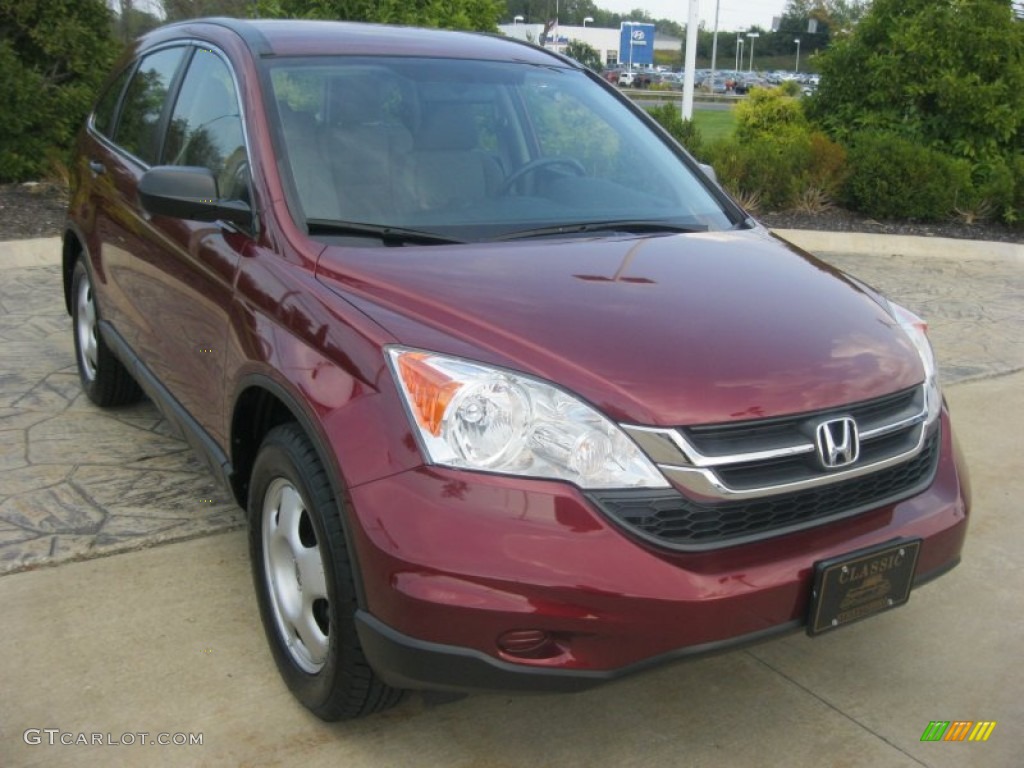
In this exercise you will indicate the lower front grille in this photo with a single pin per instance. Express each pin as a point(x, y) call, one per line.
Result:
point(669, 518)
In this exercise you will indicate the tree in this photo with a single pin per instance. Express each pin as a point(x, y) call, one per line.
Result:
point(175, 10)
point(948, 73)
point(131, 22)
point(832, 16)
point(585, 54)
point(480, 15)
point(53, 56)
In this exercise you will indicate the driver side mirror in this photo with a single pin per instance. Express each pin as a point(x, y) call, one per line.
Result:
point(189, 192)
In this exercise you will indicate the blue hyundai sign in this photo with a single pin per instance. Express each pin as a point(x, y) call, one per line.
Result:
point(636, 44)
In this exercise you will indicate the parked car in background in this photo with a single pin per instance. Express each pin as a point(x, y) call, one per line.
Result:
point(716, 86)
point(636, 79)
point(515, 397)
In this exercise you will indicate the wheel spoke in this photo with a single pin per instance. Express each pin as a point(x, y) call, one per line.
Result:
point(90, 348)
point(291, 509)
point(312, 636)
point(311, 571)
point(89, 310)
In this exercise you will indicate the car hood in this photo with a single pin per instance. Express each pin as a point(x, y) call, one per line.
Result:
point(663, 330)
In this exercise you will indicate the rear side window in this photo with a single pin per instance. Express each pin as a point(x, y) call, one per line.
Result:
point(103, 117)
point(138, 130)
point(206, 125)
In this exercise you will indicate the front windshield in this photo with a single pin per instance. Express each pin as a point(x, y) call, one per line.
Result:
point(474, 150)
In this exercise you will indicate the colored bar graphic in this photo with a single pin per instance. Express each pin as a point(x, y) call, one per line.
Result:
point(958, 730)
point(982, 731)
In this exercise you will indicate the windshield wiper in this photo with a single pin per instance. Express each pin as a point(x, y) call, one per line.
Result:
point(630, 226)
point(387, 235)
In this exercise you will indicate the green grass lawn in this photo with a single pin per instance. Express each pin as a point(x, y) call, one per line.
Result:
point(714, 124)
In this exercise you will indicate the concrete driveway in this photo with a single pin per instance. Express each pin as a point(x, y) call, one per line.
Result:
point(166, 641)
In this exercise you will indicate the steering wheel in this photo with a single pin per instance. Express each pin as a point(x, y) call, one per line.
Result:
point(540, 162)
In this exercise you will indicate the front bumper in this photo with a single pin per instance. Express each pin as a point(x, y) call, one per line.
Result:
point(407, 662)
point(452, 561)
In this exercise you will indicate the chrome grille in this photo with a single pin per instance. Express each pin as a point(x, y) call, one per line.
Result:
point(669, 518)
point(757, 478)
point(773, 456)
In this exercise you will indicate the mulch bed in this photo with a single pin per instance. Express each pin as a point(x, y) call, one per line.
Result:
point(839, 220)
point(32, 210)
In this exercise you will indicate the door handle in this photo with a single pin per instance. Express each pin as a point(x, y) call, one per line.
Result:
point(97, 167)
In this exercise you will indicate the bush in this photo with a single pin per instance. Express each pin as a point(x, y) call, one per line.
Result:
point(781, 171)
point(790, 88)
point(768, 112)
point(1015, 213)
point(948, 74)
point(891, 177)
point(991, 194)
point(53, 56)
point(683, 131)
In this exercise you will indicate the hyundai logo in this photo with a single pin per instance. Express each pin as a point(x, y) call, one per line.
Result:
point(638, 34)
point(838, 442)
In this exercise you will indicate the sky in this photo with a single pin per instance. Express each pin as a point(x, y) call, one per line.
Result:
point(732, 15)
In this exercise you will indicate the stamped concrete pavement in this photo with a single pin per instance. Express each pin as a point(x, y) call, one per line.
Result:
point(77, 481)
point(167, 640)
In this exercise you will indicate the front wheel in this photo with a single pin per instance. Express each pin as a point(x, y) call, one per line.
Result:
point(304, 581)
point(104, 378)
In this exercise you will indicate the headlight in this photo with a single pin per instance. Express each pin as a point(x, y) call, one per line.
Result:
point(473, 416)
point(916, 330)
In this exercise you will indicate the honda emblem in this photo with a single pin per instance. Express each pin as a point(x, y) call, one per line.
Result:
point(838, 442)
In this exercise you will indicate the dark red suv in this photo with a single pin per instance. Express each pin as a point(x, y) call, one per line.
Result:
point(515, 396)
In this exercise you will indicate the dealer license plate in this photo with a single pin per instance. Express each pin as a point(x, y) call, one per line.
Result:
point(860, 584)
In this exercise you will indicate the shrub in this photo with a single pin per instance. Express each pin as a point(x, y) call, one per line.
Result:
point(946, 73)
point(767, 112)
point(891, 177)
point(52, 58)
point(790, 88)
point(683, 131)
point(992, 191)
point(827, 166)
point(792, 168)
point(763, 168)
point(1015, 213)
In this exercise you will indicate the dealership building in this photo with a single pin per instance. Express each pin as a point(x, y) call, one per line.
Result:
point(632, 45)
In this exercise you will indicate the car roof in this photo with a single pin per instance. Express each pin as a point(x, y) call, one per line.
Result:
point(289, 37)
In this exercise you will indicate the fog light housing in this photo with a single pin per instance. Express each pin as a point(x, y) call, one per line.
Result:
point(528, 644)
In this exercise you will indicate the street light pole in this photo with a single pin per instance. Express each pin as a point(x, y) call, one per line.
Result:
point(753, 36)
point(739, 53)
point(691, 59)
point(714, 49)
point(797, 41)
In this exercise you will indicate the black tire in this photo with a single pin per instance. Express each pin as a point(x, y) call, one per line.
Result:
point(308, 615)
point(104, 378)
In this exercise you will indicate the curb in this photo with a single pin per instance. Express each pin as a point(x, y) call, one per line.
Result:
point(39, 252)
point(902, 245)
